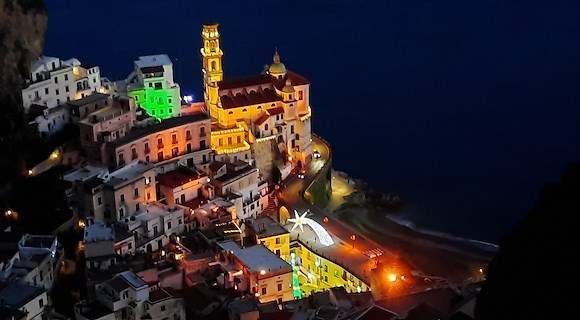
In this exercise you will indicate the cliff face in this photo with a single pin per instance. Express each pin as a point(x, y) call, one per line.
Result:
point(22, 27)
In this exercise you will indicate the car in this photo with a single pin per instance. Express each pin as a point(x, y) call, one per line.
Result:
point(316, 154)
point(301, 174)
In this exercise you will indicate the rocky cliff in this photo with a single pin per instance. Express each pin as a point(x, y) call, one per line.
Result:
point(22, 27)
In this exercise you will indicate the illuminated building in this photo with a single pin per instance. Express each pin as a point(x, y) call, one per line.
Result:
point(53, 81)
point(242, 184)
point(128, 190)
point(106, 124)
point(81, 108)
point(182, 185)
point(270, 233)
point(258, 271)
point(175, 141)
point(151, 86)
point(259, 113)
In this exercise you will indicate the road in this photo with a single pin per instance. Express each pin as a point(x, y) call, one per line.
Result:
point(292, 198)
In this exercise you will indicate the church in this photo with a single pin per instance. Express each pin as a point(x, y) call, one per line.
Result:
point(262, 119)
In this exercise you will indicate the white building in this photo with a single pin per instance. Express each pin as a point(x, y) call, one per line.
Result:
point(21, 300)
point(153, 227)
point(99, 242)
point(53, 81)
point(240, 178)
point(48, 120)
point(256, 270)
point(127, 296)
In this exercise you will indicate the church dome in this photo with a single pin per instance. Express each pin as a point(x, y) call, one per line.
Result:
point(277, 68)
point(288, 88)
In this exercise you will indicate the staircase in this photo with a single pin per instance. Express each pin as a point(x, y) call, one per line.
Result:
point(271, 210)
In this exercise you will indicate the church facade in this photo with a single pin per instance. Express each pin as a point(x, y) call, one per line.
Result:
point(262, 119)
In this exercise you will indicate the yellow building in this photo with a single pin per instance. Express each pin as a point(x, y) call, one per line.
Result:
point(252, 112)
point(319, 273)
point(271, 234)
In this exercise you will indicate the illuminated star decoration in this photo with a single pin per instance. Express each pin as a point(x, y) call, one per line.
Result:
point(298, 220)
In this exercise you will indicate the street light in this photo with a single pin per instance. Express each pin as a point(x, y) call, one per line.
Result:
point(353, 238)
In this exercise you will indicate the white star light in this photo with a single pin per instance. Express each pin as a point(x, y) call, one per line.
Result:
point(299, 220)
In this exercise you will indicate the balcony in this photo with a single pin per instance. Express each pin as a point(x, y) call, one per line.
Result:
point(174, 141)
point(202, 134)
point(160, 145)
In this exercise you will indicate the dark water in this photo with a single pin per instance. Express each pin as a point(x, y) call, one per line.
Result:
point(464, 108)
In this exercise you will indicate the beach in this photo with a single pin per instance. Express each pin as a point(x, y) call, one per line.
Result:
point(432, 254)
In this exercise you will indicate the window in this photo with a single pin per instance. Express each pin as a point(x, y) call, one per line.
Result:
point(229, 140)
point(41, 303)
point(189, 147)
point(66, 77)
point(202, 132)
point(279, 287)
point(300, 95)
point(220, 142)
point(187, 135)
point(244, 110)
point(146, 147)
point(66, 89)
point(169, 225)
point(264, 290)
point(130, 245)
point(57, 92)
point(136, 192)
point(150, 85)
point(161, 111)
point(179, 222)
point(174, 138)
point(134, 153)
point(46, 90)
point(170, 111)
point(175, 152)
point(160, 143)
point(56, 79)
point(169, 100)
point(278, 241)
point(162, 308)
point(99, 201)
point(147, 158)
point(122, 197)
point(292, 129)
point(121, 159)
point(147, 181)
point(148, 195)
point(40, 275)
point(160, 156)
point(177, 200)
point(239, 140)
point(158, 85)
point(137, 207)
point(202, 144)
point(325, 268)
point(266, 127)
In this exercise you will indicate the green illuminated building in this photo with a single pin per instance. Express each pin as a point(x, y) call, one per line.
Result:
point(151, 86)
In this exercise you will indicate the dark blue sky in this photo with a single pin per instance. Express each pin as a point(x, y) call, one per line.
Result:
point(464, 108)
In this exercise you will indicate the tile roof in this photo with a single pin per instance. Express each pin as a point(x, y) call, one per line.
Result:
point(178, 177)
point(244, 98)
point(276, 110)
point(262, 119)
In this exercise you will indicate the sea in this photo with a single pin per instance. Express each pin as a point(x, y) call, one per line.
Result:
point(462, 108)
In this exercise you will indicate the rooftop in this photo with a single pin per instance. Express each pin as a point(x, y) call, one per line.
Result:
point(256, 258)
point(265, 227)
point(95, 310)
point(103, 114)
point(98, 231)
point(37, 241)
point(125, 279)
point(89, 99)
point(178, 177)
point(153, 61)
point(243, 305)
point(16, 295)
point(158, 295)
point(128, 174)
point(85, 172)
point(137, 133)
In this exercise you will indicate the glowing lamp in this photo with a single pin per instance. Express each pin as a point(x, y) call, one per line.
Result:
point(358, 289)
point(262, 272)
point(392, 277)
point(29, 172)
point(8, 212)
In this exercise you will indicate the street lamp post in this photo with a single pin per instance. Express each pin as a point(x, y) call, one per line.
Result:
point(353, 238)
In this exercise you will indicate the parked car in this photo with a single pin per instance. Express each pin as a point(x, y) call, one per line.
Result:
point(316, 154)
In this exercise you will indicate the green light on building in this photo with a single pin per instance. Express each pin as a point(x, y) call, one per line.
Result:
point(295, 284)
point(158, 103)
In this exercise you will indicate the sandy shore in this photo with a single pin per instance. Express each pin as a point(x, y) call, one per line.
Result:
point(456, 260)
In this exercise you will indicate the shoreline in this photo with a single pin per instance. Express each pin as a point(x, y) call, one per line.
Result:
point(432, 252)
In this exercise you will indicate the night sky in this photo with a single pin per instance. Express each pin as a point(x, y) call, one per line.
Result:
point(463, 108)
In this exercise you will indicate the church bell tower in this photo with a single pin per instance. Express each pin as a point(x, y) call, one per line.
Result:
point(211, 54)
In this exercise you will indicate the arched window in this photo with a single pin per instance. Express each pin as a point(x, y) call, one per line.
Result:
point(266, 126)
point(213, 66)
point(231, 112)
point(297, 136)
point(244, 110)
